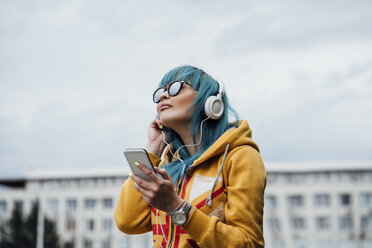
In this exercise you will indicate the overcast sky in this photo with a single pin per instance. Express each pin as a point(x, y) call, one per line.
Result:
point(76, 77)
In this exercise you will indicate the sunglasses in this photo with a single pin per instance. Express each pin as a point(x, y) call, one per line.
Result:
point(173, 89)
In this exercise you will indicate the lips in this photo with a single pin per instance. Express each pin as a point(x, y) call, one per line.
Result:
point(164, 106)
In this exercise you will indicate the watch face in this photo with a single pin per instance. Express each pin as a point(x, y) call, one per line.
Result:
point(179, 218)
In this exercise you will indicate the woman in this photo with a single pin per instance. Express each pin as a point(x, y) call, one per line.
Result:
point(211, 189)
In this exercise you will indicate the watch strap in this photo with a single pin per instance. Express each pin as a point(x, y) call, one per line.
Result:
point(187, 208)
point(170, 213)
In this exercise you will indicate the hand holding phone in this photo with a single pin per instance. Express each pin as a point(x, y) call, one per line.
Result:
point(136, 156)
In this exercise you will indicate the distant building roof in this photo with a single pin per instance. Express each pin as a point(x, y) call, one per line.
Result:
point(78, 173)
point(319, 166)
point(290, 167)
point(20, 180)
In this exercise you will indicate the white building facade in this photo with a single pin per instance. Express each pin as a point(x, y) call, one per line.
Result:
point(318, 205)
point(80, 203)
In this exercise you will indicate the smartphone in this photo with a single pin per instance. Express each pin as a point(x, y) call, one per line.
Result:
point(138, 155)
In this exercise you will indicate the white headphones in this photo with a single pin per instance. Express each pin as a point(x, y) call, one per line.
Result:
point(214, 107)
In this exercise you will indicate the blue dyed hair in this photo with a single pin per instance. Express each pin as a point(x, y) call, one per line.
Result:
point(212, 129)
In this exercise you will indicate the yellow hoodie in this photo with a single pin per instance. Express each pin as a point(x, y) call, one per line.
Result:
point(225, 185)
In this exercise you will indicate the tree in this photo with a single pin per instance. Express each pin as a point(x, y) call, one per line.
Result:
point(13, 234)
point(22, 233)
point(51, 238)
point(31, 225)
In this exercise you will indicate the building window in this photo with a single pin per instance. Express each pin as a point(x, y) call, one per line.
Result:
point(345, 223)
point(296, 177)
point(295, 201)
point(344, 200)
point(88, 244)
point(298, 223)
point(66, 183)
point(323, 223)
point(70, 225)
point(274, 224)
point(107, 203)
point(272, 177)
point(112, 181)
point(366, 200)
point(90, 203)
point(106, 244)
point(90, 225)
point(327, 176)
point(366, 223)
point(340, 176)
point(322, 200)
point(2, 207)
point(270, 202)
point(107, 225)
point(82, 183)
point(53, 205)
point(103, 181)
point(71, 205)
point(355, 176)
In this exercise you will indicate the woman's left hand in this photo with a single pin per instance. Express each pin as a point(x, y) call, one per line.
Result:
point(158, 192)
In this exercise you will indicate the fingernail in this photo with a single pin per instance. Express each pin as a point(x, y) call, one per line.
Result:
point(136, 163)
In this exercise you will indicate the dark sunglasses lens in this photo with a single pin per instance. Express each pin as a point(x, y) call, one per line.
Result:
point(174, 88)
point(157, 94)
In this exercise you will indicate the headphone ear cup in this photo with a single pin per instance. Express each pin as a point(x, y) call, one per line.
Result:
point(214, 107)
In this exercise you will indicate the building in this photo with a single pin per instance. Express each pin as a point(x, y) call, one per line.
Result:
point(320, 205)
point(80, 202)
point(307, 205)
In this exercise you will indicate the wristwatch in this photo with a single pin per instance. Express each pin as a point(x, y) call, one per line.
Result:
point(180, 217)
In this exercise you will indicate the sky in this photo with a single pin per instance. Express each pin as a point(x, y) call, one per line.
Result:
point(77, 76)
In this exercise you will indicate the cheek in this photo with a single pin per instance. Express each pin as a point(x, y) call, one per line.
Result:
point(187, 101)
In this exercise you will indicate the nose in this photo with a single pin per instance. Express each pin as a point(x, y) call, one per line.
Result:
point(164, 95)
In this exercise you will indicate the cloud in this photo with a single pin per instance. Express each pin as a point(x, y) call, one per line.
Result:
point(320, 118)
point(296, 25)
point(77, 76)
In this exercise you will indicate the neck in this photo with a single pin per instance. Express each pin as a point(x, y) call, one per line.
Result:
point(186, 136)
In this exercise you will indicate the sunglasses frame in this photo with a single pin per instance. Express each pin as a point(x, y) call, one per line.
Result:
point(166, 88)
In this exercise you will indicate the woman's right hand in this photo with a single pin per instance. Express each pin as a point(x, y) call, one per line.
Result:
point(155, 143)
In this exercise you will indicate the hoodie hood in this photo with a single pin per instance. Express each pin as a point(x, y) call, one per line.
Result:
point(235, 137)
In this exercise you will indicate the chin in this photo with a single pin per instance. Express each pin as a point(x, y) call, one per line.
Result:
point(174, 120)
point(166, 122)
point(169, 121)
point(164, 119)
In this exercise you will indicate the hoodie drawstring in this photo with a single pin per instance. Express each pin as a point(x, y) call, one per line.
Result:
point(209, 199)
